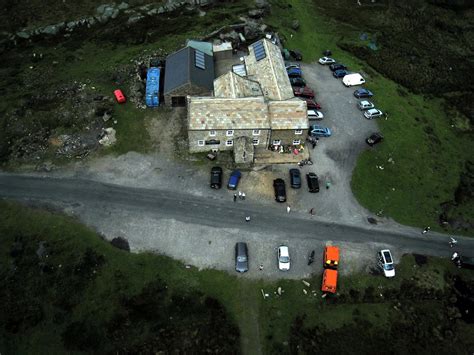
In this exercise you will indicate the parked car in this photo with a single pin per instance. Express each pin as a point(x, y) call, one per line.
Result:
point(313, 182)
point(294, 72)
point(295, 178)
point(331, 257)
point(296, 54)
point(315, 115)
point(353, 79)
point(340, 73)
point(374, 138)
point(241, 257)
point(363, 94)
point(365, 105)
point(319, 131)
point(298, 82)
point(280, 190)
point(234, 180)
point(385, 262)
point(311, 104)
point(216, 177)
point(372, 113)
point(303, 92)
point(290, 66)
point(283, 258)
point(326, 60)
point(337, 66)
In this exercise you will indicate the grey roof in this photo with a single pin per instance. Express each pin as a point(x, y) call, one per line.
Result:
point(205, 47)
point(180, 70)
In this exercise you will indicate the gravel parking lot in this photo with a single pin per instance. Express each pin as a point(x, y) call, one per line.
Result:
point(334, 159)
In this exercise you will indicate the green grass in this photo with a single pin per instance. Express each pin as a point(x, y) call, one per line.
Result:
point(427, 149)
point(263, 323)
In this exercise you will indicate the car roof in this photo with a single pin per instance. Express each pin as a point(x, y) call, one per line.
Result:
point(236, 173)
point(332, 253)
point(284, 250)
point(387, 256)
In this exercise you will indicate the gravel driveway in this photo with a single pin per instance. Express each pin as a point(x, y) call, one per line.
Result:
point(334, 159)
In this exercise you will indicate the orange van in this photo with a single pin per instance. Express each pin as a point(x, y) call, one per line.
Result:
point(331, 257)
point(329, 281)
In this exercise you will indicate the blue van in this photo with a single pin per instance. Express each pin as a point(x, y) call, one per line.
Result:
point(234, 180)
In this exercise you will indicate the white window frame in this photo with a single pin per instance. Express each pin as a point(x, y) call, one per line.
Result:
point(256, 141)
point(277, 142)
point(296, 141)
point(229, 133)
point(256, 132)
point(298, 131)
point(229, 143)
point(212, 133)
point(201, 143)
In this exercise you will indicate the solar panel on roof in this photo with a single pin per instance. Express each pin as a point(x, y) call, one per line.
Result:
point(199, 59)
point(259, 51)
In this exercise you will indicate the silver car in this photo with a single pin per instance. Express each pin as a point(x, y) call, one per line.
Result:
point(241, 257)
point(365, 105)
point(372, 113)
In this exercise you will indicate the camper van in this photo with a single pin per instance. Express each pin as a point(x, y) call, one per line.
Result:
point(353, 79)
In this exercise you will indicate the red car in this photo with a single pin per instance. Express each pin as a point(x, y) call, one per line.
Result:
point(303, 92)
point(120, 96)
point(311, 104)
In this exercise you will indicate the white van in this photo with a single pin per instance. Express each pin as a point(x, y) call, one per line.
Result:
point(315, 115)
point(353, 79)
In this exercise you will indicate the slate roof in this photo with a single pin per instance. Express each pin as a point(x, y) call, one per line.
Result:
point(215, 113)
point(288, 114)
point(181, 69)
point(233, 85)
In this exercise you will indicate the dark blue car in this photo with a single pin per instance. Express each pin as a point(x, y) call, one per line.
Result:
point(363, 93)
point(234, 180)
point(294, 72)
point(340, 73)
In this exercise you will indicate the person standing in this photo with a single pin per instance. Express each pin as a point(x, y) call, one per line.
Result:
point(288, 209)
point(235, 197)
point(243, 195)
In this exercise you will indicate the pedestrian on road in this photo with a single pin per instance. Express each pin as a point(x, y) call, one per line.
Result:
point(311, 211)
point(426, 230)
point(314, 144)
point(288, 209)
point(235, 197)
point(455, 256)
point(328, 185)
point(247, 219)
point(243, 195)
point(452, 242)
point(240, 195)
point(260, 267)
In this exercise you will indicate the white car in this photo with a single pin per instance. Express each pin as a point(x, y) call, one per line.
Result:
point(283, 258)
point(326, 60)
point(385, 262)
point(372, 113)
point(315, 115)
point(365, 105)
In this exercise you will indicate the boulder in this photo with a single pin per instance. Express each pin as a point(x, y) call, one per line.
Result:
point(262, 4)
point(123, 6)
point(23, 34)
point(257, 13)
point(295, 24)
point(252, 30)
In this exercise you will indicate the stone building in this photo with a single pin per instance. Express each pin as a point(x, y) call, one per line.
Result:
point(188, 72)
point(258, 110)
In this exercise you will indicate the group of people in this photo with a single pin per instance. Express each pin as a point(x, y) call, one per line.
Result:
point(456, 258)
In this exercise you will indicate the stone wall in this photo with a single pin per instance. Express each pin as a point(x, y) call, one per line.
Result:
point(195, 136)
point(185, 90)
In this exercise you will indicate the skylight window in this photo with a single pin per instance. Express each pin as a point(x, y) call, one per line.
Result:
point(199, 59)
point(259, 50)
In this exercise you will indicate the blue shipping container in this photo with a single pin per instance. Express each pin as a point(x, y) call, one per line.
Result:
point(153, 87)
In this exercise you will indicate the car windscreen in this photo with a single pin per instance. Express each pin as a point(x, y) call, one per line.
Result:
point(388, 266)
point(241, 259)
point(284, 259)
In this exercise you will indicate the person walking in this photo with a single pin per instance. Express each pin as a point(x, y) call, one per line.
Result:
point(452, 242)
point(247, 219)
point(328, 185)
point(243, 195)
point(311, 211)
point(235, 197)
point(240, 195)
point(426, 230)
point(288, 209)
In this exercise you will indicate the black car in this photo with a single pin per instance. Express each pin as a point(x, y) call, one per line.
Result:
point(296, 54)
point(295, 178)
point(216, 177)
point(313, 182)
point(374, 139)
point(241, 257)
point(337, 66)
point(299, 82)
point(280, 190)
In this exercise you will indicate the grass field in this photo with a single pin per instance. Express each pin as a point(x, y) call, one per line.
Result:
point(85, 282)
point(424, 152)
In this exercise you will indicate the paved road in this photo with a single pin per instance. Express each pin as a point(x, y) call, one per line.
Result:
point(101, 201)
